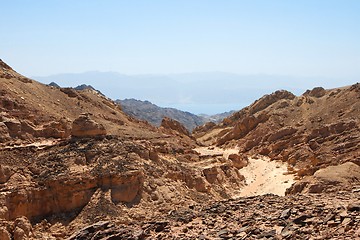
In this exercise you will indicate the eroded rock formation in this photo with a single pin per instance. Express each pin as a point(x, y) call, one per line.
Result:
point(84, 126)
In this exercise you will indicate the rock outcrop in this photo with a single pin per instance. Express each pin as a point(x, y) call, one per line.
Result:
point(238, 161)
point(331, 179)
point(84, 126)
point(147, 111)
point(168, 123)
point(312, 131)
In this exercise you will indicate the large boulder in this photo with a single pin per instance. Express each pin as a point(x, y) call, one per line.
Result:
point(5, 173)
point(4, 132)
point(84, 126)
point(56, 129)
point(316, 92)
point(330, 179)
point(238, 161)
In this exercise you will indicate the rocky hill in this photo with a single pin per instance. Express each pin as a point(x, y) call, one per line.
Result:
point(315, 130)
point(73, 157)
point(154, 114)
point(73, 165)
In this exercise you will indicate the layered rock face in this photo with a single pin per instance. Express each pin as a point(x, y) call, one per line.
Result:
point(330, 179)
point(312, 131)
point(82, 178)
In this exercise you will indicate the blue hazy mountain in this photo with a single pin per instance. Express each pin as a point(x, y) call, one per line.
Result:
point(208, 92)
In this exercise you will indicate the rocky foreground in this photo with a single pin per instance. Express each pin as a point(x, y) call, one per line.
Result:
point(331, 216)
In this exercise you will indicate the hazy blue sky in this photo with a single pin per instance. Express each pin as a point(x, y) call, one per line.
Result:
point(287, 37)
point(288, 44)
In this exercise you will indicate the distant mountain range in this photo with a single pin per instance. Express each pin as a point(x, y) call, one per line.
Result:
point(154, 114)
point(208, 92)
point(147, 111)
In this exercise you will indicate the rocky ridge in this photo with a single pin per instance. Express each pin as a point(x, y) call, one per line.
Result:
point(318, 129)
point(154, 114)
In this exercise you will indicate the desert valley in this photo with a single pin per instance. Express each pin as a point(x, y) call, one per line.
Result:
point(73, 165)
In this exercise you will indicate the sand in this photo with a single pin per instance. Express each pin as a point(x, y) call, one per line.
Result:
point(262, 176)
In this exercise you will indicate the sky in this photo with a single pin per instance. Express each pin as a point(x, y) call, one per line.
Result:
point(317, 39)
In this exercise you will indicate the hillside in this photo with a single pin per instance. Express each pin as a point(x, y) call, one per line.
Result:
point(318, 129)
point(154, 114)
point(74, 158)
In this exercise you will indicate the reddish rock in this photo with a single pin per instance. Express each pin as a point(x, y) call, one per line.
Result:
point(172, 124)
point(281, 134)
point(5, 173)
point(4, 234)
point(84, 126)
point(238, 161)
point(56, 129)
point(330, 179)
point(211, 174)
point(268, 100)
point(4, 133)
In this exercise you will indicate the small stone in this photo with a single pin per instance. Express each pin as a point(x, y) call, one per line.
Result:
point(202, 237)
point(285, 214)
point(241, 235)
point(243, 229)
point(268, 234)
point(286, 233)
point(19, 234)
point(301, 219)
point(346, 221)
point(223, 233)
point(332, 223)
point(329, 217)
point(353, 207)
point(344, 214)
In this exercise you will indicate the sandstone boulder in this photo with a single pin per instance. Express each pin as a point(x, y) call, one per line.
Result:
point(5, 174)
point(330, 179)
point(238, 161)
point(70, 92)
point(316, 92)
point(84, 126)
point(23, 228)
point(4, 133)
point(56, 129)
point(286, 131)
